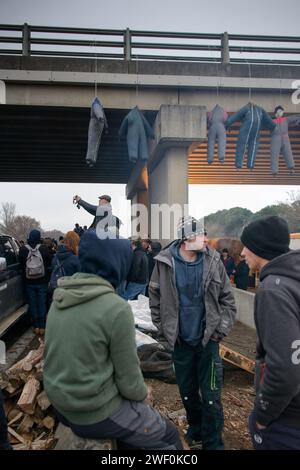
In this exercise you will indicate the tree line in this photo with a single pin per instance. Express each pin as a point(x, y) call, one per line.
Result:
point(230, 223)
point(19, 226)
point(223, 223)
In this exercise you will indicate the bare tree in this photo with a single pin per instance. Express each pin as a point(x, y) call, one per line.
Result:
point(7, 217)
point(23, 224)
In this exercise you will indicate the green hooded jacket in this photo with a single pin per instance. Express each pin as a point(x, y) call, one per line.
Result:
point(91, 361)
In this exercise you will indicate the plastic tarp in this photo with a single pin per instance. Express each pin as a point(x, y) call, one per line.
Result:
point(142, 338)
point(142, 315)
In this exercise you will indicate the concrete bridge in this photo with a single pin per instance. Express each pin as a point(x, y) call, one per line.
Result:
point(44, 114)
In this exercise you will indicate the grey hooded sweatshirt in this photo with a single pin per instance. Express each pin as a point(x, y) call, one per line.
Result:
point(164, 298)
point(277, 319)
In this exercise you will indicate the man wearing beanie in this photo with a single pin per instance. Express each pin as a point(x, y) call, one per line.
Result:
point(92, 374)
point(275, 421)
point(192, 305)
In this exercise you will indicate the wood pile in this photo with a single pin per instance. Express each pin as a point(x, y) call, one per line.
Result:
point(31, 421)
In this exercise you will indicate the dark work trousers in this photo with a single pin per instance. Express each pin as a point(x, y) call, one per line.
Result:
point(276, 436)
point(199, 375)
point(4, 444)
point(134, 425)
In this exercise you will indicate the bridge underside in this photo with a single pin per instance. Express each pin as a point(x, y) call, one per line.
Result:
point(48, 144)
point(199, 172)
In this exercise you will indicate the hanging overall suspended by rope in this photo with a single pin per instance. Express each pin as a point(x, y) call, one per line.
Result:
point(216, 133)
point(280, 141)
point(253, 119)
point(136, 127)
point(97, 123)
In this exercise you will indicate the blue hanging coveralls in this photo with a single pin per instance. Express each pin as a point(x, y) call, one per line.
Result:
point(253, 119)
point(97, 123)
point(137, 129)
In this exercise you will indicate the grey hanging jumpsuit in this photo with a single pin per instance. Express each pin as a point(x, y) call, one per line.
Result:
point(97, 123)
point(216, 133)
point(280, 142)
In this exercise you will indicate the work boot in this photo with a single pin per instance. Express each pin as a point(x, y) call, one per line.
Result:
point(193, 438)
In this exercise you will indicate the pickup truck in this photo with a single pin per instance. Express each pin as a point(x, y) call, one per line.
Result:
point(12, 293)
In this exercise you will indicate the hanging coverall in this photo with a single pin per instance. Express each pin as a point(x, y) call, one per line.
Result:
point(280, 142)
point(137, 129)
point(216, 133)
point(253, 119)
point(97, 123)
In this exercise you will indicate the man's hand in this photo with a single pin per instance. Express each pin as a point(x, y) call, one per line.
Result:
point(76, 199)
point(260, 426)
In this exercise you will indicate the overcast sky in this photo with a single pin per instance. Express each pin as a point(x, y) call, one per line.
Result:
point(51, 204)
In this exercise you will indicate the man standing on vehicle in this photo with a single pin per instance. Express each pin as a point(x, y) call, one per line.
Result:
point(102, 212)
point(193, 307)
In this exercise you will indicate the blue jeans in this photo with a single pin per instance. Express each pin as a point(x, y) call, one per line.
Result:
point(37, 299)
point(133, 290)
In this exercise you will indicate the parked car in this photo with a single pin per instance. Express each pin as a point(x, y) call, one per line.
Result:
point(12, 292)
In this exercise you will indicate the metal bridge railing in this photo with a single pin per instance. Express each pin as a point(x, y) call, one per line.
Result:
point(127, 45)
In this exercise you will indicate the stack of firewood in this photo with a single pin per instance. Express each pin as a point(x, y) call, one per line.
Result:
point(31, 422)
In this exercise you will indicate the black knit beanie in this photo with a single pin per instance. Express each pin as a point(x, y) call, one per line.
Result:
point(267, 237)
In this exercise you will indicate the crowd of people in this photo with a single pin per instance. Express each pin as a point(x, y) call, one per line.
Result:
point(94, 380)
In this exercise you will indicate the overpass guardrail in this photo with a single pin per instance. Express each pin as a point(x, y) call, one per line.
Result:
point(127, 44)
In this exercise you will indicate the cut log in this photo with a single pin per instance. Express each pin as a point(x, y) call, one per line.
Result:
point(43, 401)
point(39, 415)
point(26, 424)
point(12, 413)
point(39, 370)
point(37, 356)
point(49, 422)
point(43, 444)
point(15, 369)
point(4, 381)
point(16, 435)
point(26, 364)
point(27, 399)
point(9, 405)
point(21, 446)
point(237, 359)
point(16, 418)
point(13, 386)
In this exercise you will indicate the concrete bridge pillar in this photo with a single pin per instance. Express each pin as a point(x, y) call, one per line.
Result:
point(137, 192)
point(176, 128)
point(162, 187)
